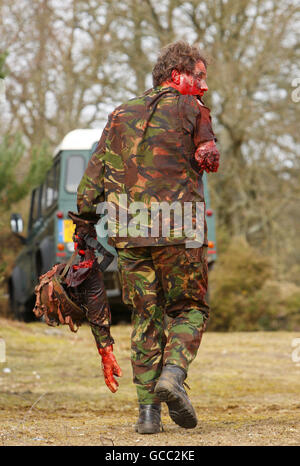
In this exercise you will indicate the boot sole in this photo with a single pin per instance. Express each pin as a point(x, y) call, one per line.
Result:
point(147, 429)
point(180, 412)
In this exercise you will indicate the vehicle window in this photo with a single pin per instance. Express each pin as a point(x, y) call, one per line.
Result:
point(35, 208)
point(50, 188)
point(43, 196)
point(74, 171)
point(56, 179)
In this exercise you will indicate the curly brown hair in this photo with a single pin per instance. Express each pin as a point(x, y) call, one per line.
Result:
point(180, 56)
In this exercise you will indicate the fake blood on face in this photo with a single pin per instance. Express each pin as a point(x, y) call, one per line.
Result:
point(189, 84)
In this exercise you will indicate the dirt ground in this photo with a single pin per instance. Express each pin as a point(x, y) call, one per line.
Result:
point(245, 388)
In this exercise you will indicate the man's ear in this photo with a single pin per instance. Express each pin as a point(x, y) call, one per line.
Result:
point(175, 77)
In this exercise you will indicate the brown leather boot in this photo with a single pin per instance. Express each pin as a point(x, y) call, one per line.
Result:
point(149, 419)
point(170, 389)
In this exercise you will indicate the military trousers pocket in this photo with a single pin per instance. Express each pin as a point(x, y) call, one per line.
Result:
point(196, 254)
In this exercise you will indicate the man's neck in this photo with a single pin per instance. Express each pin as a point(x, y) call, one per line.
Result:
point(169, 84)
point(166, 84)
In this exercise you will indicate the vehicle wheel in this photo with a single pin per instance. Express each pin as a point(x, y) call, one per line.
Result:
point(38, 264)
point(16, 307)
point(29, 315)
point(120, 313)
point(22, 312)
point(207, 296)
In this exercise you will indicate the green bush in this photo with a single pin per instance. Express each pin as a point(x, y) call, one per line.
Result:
point(245, 294)
point(12, 158)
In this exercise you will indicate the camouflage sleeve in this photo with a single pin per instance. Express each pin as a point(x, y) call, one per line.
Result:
point(102, 336)
point(91, 190)
point(196, 120)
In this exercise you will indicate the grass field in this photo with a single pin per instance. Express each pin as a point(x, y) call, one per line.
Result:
point(245, 388)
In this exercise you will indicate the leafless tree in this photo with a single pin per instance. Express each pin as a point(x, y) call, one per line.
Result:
point(71, 62)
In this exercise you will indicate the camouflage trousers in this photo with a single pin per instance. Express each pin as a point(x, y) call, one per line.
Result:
point(165, 287)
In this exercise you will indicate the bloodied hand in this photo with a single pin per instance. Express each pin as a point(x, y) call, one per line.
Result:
point(207, 157)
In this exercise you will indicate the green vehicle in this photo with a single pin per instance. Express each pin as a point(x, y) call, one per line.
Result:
point(49, 235)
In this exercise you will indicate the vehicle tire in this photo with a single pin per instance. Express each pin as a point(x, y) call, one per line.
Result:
point(207, 296)
point(29, 315)
point(38, 264)
point(120, 313)
point(22, 312)
point(16, 307)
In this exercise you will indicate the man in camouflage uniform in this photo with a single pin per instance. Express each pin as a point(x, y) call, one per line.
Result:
point(154, 149)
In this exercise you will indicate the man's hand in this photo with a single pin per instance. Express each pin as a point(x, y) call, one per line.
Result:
point(83, 227)
point(207, 157)
point(110, 367)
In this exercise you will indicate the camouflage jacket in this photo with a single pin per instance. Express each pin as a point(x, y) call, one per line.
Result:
point(145, 155)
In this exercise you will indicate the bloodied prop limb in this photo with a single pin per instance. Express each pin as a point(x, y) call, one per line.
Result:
point(87, 284)
point(110, 367)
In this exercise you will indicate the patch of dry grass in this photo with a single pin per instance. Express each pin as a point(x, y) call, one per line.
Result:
point(244, 386)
